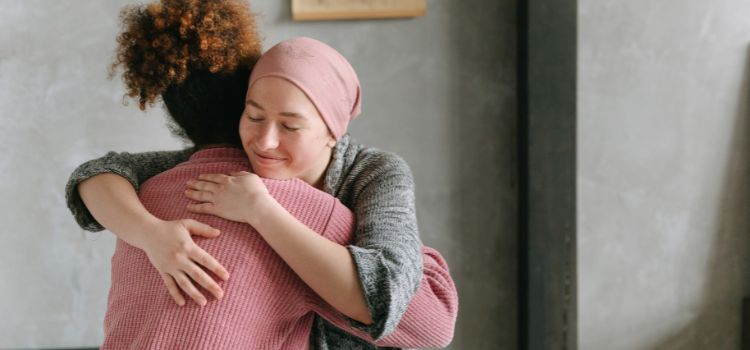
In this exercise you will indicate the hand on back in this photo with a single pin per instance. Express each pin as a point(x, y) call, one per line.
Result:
point(181, 263)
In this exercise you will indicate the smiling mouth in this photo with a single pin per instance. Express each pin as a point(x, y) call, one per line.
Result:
point(267, 157)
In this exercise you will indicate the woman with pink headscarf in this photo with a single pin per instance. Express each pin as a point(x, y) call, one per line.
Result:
point(302, 95)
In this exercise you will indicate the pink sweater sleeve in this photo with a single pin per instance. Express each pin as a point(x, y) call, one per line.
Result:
point(429, 320)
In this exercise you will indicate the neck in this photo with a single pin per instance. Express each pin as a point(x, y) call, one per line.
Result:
point(316, 177)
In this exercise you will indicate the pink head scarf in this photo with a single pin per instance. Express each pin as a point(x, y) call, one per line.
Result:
point(323, 74)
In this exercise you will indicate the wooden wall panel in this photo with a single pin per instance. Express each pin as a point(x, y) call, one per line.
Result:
point(306, 10)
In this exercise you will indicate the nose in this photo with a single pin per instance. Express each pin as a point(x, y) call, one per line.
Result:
point(268, 138)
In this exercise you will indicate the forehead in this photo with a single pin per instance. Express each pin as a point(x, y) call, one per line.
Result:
point(280, 96)
point(276, 88)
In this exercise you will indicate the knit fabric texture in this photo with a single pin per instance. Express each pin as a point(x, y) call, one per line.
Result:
point(386, 249)
point(266, 306)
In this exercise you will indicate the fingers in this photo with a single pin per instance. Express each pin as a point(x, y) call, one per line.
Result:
point(216, 178)
point(202, 208)
point(197, 228)
point(202, 190)
point(201, 257)
point(201, 185)
point(204, 280)
point(178, 266)
point(187, 286)
point(239, 173)
point(172, 288)
point(199, 196)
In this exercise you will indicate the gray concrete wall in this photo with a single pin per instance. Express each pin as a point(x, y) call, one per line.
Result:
point(663, 196)
point(439, 90)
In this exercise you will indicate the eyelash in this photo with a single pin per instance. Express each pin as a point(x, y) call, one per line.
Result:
point(257, 120)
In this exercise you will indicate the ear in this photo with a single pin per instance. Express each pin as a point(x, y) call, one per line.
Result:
point(331, 143)
point(331, 140)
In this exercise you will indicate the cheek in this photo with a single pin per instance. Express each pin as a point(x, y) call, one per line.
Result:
point(295, 148)
point(306, 150)
point(245, 131)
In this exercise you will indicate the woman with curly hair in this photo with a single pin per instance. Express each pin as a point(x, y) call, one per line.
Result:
point(184, 52)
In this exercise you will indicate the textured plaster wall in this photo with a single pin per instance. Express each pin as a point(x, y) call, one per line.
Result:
point(438, 90)
point(663, 196)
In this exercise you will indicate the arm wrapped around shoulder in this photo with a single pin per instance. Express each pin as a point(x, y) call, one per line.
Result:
point(386, 248)
point(430, 319)
point(134, 167)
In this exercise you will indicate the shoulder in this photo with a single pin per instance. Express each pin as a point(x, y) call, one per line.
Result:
point(378, 174)
point(357, 168)
point(371, 161)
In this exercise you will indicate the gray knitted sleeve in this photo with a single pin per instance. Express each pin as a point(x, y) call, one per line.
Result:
point(134, 167)
point(387, 248)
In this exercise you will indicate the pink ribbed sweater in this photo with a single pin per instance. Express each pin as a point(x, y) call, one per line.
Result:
point(266, 305)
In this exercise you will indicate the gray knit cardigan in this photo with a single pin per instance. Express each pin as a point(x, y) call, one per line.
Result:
point(376, 185)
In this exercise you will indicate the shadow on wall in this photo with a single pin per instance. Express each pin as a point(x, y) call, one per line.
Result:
point(717, 324)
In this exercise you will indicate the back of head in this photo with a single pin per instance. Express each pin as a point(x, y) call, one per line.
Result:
point(196, 56)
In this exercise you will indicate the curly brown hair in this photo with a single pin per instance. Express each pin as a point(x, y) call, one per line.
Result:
point(195, 55)
point(163, 42)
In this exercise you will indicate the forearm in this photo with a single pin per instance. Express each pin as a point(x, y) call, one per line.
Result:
point(435, 304)
point(114, 203)
point(325, 266)
point(430, 318)
point(135, 167)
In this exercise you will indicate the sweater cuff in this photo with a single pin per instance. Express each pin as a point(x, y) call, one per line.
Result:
point(80, 212)
point(375, 279)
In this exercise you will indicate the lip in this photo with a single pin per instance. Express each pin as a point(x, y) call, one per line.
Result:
point(267, 160)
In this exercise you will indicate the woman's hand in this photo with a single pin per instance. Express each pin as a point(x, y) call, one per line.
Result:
point(180, 262)
point(114, 203)
point(326, 266)
point(232, 197)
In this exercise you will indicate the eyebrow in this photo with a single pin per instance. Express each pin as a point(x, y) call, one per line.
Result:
point(254, 104)
point(284, 114)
